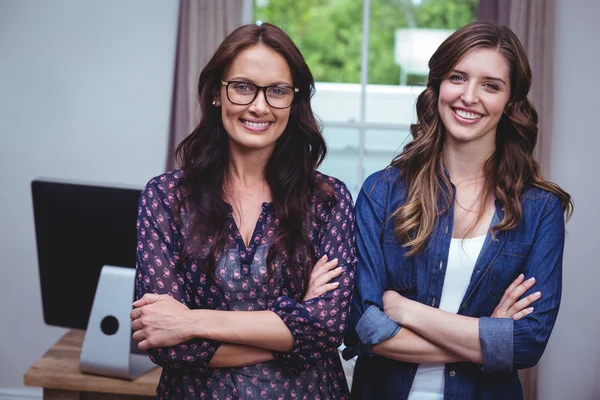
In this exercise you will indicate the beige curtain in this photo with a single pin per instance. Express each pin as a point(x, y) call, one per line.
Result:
point(494, 10)
point(533, 22)
point(203, 24)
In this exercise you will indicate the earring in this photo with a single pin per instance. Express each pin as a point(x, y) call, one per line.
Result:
point(214, 102)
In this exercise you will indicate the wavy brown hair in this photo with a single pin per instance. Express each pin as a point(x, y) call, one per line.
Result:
point(290, 171)
point(508, 171)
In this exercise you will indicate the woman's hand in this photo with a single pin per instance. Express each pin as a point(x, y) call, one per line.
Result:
point(510, 306)
point(394, 304)
point(158, 320)
point(323, 272)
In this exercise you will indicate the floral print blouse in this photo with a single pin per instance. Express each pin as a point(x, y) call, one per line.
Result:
point(312, 370)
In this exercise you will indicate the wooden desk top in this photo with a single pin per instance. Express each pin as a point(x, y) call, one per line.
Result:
point(59, 369)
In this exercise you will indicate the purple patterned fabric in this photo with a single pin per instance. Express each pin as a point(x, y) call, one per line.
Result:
point(313, 369)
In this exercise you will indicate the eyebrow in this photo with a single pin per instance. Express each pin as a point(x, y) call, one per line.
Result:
point(491, 78)
point(240, 78)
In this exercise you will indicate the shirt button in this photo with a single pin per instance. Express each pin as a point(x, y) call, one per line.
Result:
point(452, 373)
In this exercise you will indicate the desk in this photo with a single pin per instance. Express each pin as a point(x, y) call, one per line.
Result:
point(58, 373)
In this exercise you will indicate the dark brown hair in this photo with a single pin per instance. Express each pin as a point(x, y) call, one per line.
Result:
point(507, 172)
point(203, 156)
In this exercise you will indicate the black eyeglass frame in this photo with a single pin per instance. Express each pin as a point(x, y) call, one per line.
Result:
point(258, 90)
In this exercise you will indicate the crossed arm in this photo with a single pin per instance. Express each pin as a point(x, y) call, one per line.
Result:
point(248, 337)
point(425, 337)
point(182, 329)
point(414, 332)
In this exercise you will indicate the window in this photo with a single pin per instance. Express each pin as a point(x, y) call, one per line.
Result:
point(366, 96)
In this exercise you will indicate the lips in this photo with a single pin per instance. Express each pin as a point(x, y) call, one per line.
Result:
point(256, 126)
point(470, 115)
point(465, 117)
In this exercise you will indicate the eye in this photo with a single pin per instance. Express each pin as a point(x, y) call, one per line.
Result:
point(491, 86)
point(456, 78)
point(243, 87)
point(279, 91)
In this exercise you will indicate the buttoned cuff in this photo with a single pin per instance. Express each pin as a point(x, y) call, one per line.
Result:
point(496, 337)
point(375, 327)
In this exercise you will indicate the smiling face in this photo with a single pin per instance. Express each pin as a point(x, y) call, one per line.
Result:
point(473, 97)
point(255, 126)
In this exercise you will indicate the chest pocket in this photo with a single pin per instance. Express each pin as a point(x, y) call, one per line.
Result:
point(509, 263)
point(401, 271)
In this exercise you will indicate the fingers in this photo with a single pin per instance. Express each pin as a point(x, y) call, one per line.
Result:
point(325, 288)
point(322, 266)
point(516, 294)
point(328, 276)
point(512, 296)
point(136, 313)
point(320, 278)
point(524, 303)
point(136, 325)
point(512, 287)
point(148, 298)
point(320, 262)
point(323, 272)
point(522, 313)
point(138, 336)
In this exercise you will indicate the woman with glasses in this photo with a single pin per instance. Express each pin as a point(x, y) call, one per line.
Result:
point(245, 257)
point(460, 240)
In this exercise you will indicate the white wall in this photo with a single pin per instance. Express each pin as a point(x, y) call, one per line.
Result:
point(570, 368)
point(85, 94)
point(85, 90)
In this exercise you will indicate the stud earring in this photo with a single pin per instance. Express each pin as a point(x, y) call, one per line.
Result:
point(214, 102)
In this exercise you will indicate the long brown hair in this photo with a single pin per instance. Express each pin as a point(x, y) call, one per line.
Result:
point(203, 157)
point(507, 172)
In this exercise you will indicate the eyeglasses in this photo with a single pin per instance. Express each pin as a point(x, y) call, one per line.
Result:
point(244, 93)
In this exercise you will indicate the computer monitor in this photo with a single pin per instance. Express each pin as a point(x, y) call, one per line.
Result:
point(86, 245)
point(79, 229)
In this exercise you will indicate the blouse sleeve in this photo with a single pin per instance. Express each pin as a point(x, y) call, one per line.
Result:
point(159, 269)
point(318, 325)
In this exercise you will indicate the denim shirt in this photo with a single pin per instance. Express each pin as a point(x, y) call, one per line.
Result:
point(534, 247)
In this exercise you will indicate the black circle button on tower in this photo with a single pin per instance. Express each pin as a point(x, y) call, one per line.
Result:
point(109, 325)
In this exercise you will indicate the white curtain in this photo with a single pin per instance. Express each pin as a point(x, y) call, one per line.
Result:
point(203, 24)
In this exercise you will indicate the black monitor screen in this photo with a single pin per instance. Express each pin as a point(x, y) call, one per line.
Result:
point(79, 229)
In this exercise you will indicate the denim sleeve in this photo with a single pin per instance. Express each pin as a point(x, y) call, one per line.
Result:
point(508, 344)
point(368, 324)
point(496, 337)
point(375, 327)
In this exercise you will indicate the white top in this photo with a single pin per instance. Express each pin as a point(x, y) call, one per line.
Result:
point(429, 380)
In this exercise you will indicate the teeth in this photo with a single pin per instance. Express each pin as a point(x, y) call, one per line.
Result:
point(467, 115)
point(256, 124)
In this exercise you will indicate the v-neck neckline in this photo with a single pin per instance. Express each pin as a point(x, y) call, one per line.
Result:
point(247, 251)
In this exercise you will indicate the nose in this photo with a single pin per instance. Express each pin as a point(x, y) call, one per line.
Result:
point(469, 95)
point(259, 106)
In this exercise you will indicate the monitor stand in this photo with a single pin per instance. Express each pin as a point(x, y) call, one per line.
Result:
point(107, 345)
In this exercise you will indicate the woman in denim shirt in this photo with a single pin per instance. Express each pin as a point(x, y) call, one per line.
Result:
point(460, 240)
